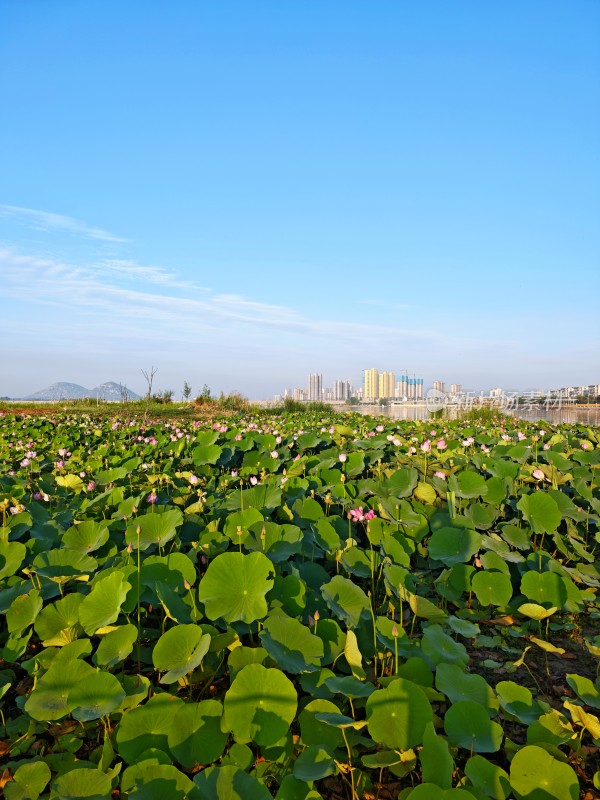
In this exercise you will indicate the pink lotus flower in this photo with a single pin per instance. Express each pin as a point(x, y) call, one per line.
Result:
point(358, 515)
point(538, 474)
point(585, 445)
point(441, 444)
point(152, 498)
point(193, 479)
point(274, 454)
point(91, 486)
point(441, 475)
point(343, 457)
point(426, 446)
point(253, 480)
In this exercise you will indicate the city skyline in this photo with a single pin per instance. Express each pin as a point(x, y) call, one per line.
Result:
point(240, 199)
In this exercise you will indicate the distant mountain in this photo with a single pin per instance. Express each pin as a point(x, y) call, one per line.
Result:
point(60, 391)
point(73, 391)
point(113, 391)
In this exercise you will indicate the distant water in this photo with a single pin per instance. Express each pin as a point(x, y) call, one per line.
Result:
point(568, 414)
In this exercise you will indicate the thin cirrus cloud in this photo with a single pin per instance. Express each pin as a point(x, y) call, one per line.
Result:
point(101, 293)
point(48, 221)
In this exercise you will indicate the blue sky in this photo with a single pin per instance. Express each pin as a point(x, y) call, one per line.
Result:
point(241, 193)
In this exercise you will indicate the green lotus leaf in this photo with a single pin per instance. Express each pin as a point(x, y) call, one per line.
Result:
point(206, 454)
point(63, 565)
point(196, 735)
point(147, 726)
point(151, 781)
point(518, 701)
point(459, 685)
point(425, 493)
point(29, 781)
point(179, 651)
point(72, 482)
point(155, 528)
point(453, 545)
point(107, 476)
point(345, 599)
point(584, 689)
point(541, 511)
point(314, 731)
point(80, 784)
point(115, 646)
point(49, 698)
point(279, 542)
point(437, 764)
point(438, 647)
point(429, 791)
point(402, 482)
point(259, 705)
point(536, 775)
point(241, 656)
point(23, 612)
point(58, 623)
point(537, 612)
point(313, 764)
point(86, 536)
point(489, 778)
point(234, 587)
point(292, 788)
point(291, 645)
point(102, 605)
point(237, 525)
point(492, 588)
point(468, 725)
point(544, 588)
point(97, 696)
point(397, 715)
point(468, 484)
point(12, 555)
point(230, 783)
point(156, 568)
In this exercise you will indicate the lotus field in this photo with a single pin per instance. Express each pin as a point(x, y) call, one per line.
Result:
point(300, 607)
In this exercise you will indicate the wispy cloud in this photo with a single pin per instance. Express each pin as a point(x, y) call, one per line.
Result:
point(49, 221)
point(99, 294)
point(126, 268)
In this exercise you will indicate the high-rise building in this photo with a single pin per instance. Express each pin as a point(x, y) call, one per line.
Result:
point(386, 385)
point(455, 388)
point(315, 387)
point(439, 386)
point(371, 384)
point(342, 390)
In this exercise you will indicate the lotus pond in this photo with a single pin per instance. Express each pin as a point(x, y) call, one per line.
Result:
point(299, 607)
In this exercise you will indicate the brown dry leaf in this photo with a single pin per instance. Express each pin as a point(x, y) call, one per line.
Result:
point(6, 776)
point(4, 748)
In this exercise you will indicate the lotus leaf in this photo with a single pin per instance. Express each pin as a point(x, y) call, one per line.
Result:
point(397, 715)
point(196, 735)
point(437, 764)
point(86, 537)
point(489, 778)
point(147, 726)
point(291, 645)
point(81, 783)
point(259, 705)
point(29, 781)
point(453, 545)
point(468, 725)
point(235, 585)
point(345, 599)
point(96, 696)
point(115, 646)
point(536, 775)
point(154, 529)
point(541, 511)
point(179, 651)
point(58, 624)
point(492, 588)
point(229, 783)
point(103, 604)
